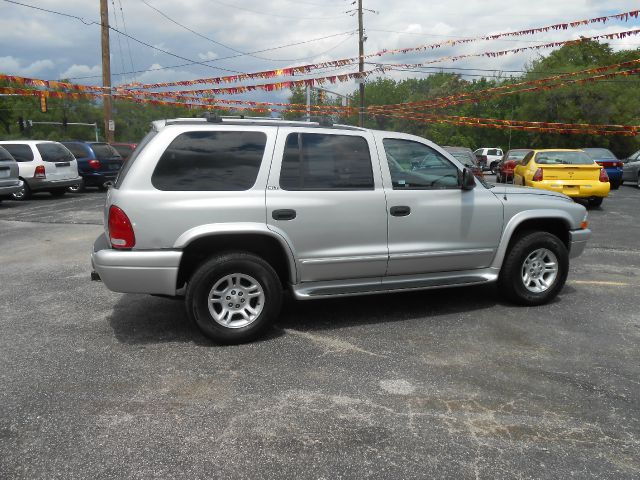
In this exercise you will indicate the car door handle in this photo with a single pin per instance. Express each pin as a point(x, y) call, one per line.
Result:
point(284, 214)
point(400, 211)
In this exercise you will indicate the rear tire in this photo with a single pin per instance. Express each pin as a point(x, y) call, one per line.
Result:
point(535, 269)
point(234, 297)
point(494, 168)
point(77, 188)
point(615, 185)
point(595, 202)
point(23, 194)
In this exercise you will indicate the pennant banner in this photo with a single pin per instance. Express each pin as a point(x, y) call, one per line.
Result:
point(291, 71)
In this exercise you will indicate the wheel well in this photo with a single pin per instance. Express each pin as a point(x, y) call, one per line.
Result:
point(555, 226)
point(264, 246)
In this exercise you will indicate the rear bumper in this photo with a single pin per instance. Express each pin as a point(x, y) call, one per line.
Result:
point(36, 184)
point(131, 271)
point(575, 188)
point(6, 190)
point(578, 241)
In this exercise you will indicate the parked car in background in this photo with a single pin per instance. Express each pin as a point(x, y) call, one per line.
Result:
point(571, 172)
point(631, 169)
point(44, 166)
point(10, 181)
point(465, 156)
point(508, 163)
point(489, 158)
point(98, 164)
point(124, 149)
point(610, 162)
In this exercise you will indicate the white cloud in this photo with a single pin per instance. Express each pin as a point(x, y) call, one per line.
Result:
point(16, 66)
point(82, 71)
point(208, 56)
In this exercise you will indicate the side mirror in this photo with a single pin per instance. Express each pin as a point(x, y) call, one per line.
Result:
point(468, 180)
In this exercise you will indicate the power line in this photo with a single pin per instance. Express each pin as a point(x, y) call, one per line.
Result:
point(276, 15)
point(124, 27)
point(115, 20)
point(141, 42)
point(351, 32)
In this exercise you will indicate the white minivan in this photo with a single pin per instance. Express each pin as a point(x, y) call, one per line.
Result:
point(44, 166)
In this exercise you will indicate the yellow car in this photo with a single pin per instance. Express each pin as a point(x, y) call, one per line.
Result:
point(571, 172)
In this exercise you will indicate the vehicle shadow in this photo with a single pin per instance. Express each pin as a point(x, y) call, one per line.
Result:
point(144, 319)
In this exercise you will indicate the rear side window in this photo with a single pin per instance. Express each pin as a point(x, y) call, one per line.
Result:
point(20, 151)
point(526, 158)
point(210, 161)
point(5, 155)
point(104, 151)
point(493, 151)
point(317, 161)
point(54, 152)
point(136, 153)
point(78, 150)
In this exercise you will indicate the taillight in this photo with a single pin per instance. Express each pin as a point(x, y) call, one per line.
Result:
point(120, 230)
point(40, 173)
point(620, 164)
point(95, 164)
point(603, 175)
point(537, 177)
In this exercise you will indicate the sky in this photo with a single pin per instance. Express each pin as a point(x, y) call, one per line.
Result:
point(44, 45)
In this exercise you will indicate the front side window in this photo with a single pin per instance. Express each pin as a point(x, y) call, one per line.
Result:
point(319, 161)
point(20, 151)
point(54, 152)
point(210, 161)
point(415, 166)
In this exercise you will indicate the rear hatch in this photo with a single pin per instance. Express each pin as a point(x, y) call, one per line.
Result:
point(571, 173)
point(59, 162)
point(110, 160)
point(8, 169)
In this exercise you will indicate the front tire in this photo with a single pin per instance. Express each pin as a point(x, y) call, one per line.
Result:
point(535, 269)
point(234, 297)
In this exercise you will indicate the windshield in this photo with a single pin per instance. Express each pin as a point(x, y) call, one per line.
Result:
point(563, 158)
point(54, 152)
point(600, 153)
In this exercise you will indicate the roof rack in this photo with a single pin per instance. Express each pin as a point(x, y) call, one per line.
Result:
point(242, 120)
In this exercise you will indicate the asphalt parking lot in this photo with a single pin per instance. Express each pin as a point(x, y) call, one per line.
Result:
point(441, 384)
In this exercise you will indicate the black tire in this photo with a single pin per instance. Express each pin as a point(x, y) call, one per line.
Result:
point(58, 192)
point(595, 202)
point(494, 168)
point(511, 281)
point(215, 270)
point(80, 187)
point(23, 194)
point(615, 185)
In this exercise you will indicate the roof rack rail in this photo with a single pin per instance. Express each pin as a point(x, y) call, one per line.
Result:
point(242, 120)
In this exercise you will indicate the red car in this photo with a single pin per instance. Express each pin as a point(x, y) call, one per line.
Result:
point(124, 149)
point(508, 163)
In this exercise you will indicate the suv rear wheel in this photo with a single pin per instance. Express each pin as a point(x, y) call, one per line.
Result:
point(234, 297)
point(535, 269)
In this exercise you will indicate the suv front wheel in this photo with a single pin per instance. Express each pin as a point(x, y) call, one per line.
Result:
point(234, 297)
point(535, 269)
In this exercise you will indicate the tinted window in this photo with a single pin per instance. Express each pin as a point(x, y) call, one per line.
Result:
point(78, 150)
point(317, 161)
point(526, 158)
point(19, 151)
point(493, 151)
point(517, 154)
point(54, 152)
point(414, 165)
point(600, 153)
point(468, 159)
point(123, 150)
point(5, 155)
point(563, 158)
point(104, 151)
point(208, 161)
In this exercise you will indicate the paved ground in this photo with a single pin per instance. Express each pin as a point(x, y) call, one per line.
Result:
point(447, 384)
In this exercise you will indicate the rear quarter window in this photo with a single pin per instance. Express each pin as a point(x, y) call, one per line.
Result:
point(20, 151)
point(210, 161)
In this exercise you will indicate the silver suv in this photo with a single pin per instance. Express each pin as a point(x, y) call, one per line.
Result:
point(229, 212)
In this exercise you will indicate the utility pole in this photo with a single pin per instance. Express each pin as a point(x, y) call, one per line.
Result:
point(106, 69)
point(361, 63)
